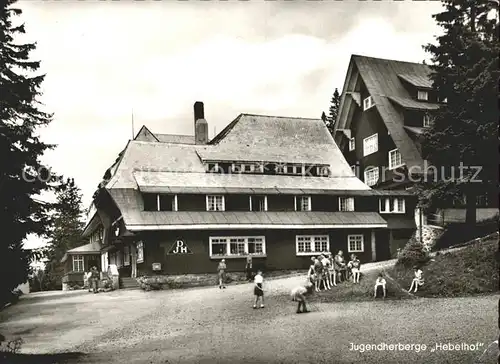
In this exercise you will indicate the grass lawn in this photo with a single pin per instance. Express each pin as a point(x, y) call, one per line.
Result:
point(362, 291)
point(469, 271)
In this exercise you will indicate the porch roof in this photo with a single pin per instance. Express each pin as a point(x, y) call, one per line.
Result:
point(208, 220)
point(87, 249)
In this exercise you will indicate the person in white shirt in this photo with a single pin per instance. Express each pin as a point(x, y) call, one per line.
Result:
point(258, 291)
point(418, 280)
point(299, 293)
point(380, 283)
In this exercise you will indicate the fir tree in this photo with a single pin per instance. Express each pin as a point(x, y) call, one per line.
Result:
point(333, 111)
point(465, 75)
point(67, 231)
point(22, 176)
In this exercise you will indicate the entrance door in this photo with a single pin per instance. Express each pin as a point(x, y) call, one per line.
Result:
point(133, 251)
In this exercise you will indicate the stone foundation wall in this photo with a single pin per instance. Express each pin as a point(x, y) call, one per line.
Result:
point(197, 280)
point(430, 235)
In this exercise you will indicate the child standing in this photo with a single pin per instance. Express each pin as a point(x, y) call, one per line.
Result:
point(326, 276)
point(222, 273)
point(380, 283)
point(318, 272)
point(258, 291)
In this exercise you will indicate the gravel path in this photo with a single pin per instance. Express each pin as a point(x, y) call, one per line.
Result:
point(209, 325)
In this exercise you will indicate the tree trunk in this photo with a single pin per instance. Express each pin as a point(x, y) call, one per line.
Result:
point(470, 207)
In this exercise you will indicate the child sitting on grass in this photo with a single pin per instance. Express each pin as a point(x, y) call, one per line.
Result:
point(418, 280)
point(380, 283)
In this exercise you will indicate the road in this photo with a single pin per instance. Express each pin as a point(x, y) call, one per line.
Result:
point(209, 325)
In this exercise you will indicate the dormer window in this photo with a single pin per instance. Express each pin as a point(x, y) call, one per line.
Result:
point(346, 204)
point(213, 168)
point(215, 203)
point(298, 170)
point(281, 169)
point(368, 103)
point(244, 168)
point(427, 121)
point(303, 203)
point(159, 202)
point(352, 144)
point(323, 171)
point(422, 95)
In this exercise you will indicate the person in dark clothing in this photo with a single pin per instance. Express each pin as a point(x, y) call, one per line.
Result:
point(248, 269)
point(94, 278)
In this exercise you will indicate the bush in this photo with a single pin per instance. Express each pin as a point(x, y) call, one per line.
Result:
point(414, 253)
point(12, 346)
point(468, 271)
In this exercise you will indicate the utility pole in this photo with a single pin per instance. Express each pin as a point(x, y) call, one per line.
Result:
point(133, 132)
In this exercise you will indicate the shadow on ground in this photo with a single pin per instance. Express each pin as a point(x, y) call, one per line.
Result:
point(8, 358)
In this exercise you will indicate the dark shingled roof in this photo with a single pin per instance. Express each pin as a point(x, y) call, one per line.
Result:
point(148, 165)
point(249, 137)
point(411, 104)
point(419, 80)
point(163, 219)
point(130, 204)
point(175, 138)
point(415, 130)
point(384, 81)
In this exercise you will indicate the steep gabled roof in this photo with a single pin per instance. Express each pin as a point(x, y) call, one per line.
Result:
point(384, 79)
point(419, 80)
point(146, 135)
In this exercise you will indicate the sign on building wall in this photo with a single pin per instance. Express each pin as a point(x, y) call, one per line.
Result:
point(156, 266)
point(179, 247)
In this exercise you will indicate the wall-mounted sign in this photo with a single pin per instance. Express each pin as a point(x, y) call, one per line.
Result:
point(156, 266)
point(178, 248)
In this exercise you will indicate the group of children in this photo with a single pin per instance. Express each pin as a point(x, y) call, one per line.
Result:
point(325, 270)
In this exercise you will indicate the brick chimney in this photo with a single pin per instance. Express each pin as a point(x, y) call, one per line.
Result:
point(200, 124)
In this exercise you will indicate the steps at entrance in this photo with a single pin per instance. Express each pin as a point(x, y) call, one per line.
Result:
point(127, 282)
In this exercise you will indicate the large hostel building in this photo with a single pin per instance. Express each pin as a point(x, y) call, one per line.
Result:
point(274, 188)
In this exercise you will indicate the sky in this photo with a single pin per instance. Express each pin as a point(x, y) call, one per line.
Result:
point(106, 61)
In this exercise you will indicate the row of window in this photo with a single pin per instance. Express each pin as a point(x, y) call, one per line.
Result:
point(269, 168)
point(258, 203)
point(240, 246)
